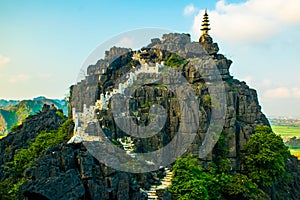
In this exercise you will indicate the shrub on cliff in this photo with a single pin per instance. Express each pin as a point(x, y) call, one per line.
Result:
point(174, 61)
point(189, 181)
point(265, 157)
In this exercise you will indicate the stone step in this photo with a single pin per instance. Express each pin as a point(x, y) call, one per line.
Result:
point(152, 197)
point(163, 187)
point(128, 145)
point(165, 183)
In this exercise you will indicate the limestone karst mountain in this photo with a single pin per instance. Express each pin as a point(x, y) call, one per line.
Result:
point(5, 103)
point(14, 112)
point(69, 171)
point(243, 110)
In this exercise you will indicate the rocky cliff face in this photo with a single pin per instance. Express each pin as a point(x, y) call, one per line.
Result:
point(243, 112)
point(68, 171)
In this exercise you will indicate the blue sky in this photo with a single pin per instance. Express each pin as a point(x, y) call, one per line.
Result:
point(44, 43)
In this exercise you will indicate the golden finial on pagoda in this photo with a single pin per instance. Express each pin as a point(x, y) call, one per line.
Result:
point(205, 38)
point(205, 24)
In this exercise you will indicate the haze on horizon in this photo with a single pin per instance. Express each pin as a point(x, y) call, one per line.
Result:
point(43, 44)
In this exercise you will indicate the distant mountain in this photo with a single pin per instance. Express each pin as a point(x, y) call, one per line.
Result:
point(15, 111)
point(5, 103)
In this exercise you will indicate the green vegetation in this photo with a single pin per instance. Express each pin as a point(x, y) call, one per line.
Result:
point(220, 153)
point(165, 73)
point(60, 114)
point(17, 112)
point(206, 101)
point(191, 181)
point(43, 141)
point(14, 127)
point(24, 158)
point(174, 61)
point(147, 104)
point(295, 152)
point(10, 119)
point(161, 86)
point(287, 131)
point(23, 111)
point(265, 157)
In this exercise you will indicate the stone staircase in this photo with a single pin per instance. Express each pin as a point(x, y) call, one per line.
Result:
point(165, 183)
point(128, 145)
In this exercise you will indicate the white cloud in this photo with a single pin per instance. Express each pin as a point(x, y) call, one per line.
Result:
point(18, 78)
point(250, 21)
point(266, 83)
point(282, 93)
point(4, 60)
point(125, 42)
point(247, 79)
point(189, 9)
point(278, 93)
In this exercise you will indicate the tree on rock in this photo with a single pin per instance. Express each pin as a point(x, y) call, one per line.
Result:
point(265, 157)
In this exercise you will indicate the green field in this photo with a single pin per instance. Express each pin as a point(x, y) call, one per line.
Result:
point(295, 152)
point(287, 131)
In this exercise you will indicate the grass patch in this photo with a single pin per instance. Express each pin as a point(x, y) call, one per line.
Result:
point(286, 131)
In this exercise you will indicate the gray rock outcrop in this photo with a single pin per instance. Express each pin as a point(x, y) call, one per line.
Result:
point(26, 133)
point(68, 171)
point(243, 112)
